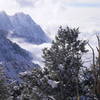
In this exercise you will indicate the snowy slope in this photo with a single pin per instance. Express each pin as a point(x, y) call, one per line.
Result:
point(13, 58)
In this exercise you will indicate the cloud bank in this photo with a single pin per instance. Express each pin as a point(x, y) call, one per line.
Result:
point(52, 13)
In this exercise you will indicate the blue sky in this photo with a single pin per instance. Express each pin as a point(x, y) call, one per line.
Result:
point(77, 4)
point(52, 13)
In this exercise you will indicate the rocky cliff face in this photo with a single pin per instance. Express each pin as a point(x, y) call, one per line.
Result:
point(13, 58)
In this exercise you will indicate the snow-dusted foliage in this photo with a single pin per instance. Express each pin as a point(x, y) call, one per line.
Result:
point(53, 83)
point(36, 86)
point(63, 63)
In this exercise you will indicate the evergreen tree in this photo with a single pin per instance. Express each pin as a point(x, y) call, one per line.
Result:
point(36, 85)
point(63, 62)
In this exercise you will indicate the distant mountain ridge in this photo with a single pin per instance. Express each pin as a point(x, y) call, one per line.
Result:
point(22, 26)
point(13, 58)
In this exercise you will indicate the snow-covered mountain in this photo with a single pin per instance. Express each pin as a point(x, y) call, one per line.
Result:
point(13, 58)
point(22, 26)
point(26, 28)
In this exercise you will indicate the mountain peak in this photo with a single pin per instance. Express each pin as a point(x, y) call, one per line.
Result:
point(23, 26)
point(26, 28)
point(22, 17)
point(21, 14)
